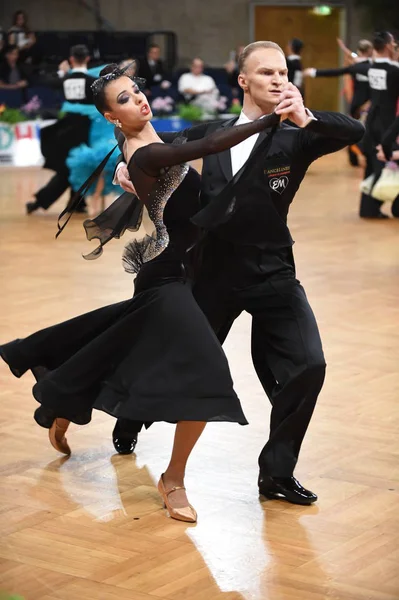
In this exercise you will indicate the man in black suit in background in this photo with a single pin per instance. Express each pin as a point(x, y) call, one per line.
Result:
point(151, 67)
point(247, 261)
point(72, 130)
point(361, 90)
point(383, 77)
point(294, 63)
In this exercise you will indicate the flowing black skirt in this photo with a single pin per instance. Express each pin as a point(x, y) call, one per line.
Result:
point(151, 358)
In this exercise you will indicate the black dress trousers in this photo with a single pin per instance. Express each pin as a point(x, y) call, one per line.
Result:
point(286, 348)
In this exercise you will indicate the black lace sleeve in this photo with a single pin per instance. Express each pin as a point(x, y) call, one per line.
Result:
point(125, 213)
point(153, 158)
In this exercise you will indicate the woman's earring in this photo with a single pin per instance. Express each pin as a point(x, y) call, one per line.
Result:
point(118, 123)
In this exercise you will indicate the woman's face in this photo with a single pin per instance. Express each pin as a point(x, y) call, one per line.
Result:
point(127, 104)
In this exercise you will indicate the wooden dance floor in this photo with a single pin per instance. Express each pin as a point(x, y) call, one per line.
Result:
point(92, 527)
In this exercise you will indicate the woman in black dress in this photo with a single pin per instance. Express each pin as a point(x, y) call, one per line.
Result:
point(154, 357)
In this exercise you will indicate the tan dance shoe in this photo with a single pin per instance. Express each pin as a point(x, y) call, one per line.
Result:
point(57, 437)
point(187, 513)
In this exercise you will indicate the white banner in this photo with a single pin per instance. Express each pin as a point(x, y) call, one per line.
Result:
point(20, 143)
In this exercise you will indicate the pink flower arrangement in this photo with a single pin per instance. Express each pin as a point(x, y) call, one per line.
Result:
point(162, 105)
point(32, 106)
point(222, 104)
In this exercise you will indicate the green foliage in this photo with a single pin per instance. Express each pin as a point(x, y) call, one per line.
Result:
point(12, 116)
point(235, 109)
point(189, 112)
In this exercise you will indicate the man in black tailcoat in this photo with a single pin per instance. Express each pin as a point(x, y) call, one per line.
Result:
point(247, 262)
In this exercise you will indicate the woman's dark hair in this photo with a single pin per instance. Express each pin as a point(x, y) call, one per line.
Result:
point(108, 69)
point(15, 18)
point(108, 74)
point(381, 40)
point(98, 87)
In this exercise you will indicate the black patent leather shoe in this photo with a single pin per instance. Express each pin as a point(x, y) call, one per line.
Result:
point(285, 488)
point(31, 207)
point(379, 215)
point(124, 435)
point(124, 445)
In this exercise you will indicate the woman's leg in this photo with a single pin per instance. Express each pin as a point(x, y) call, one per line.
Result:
point(96, 200)
point(186, 436)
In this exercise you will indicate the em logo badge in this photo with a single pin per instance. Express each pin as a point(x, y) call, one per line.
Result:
point(6, 137)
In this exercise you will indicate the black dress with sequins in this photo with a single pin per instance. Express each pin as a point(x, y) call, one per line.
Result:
point(153, 357)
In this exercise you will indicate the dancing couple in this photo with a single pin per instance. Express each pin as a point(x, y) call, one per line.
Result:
point(158, 356)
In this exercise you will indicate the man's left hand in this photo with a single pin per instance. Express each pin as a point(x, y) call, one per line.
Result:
point(291, 106)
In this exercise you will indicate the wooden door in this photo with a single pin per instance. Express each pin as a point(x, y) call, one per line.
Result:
point(319, 33)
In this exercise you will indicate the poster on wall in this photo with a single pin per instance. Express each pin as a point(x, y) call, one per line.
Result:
point(7, 141)
point(20, 143)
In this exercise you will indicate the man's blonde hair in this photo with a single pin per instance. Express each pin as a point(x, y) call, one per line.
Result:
point(248, 50)
point(365, 46)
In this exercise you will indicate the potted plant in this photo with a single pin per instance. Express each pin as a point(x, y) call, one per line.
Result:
point(190, 112)
point(235, 108)
point(11, 115)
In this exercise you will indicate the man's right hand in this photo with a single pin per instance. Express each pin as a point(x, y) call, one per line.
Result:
point(123, 178)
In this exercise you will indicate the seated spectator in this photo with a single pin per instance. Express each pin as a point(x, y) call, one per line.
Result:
point(21, 36)
point(233, 71)
point(151, 67)
point(12, 75)
point(197, 88)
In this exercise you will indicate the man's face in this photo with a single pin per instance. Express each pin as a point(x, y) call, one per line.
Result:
point(12, 56)
point(197, 67)
point(264, 76)
point(154, 54)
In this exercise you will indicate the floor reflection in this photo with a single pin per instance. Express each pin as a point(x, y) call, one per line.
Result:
point(120, 493)
point(258, 549)
point(249, 549)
